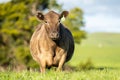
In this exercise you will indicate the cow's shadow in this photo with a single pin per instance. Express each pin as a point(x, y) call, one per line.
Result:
point(69, 68)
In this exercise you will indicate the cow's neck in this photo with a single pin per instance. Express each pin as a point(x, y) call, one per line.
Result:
point(44, 35)
point(43, 32)
point(45, 41)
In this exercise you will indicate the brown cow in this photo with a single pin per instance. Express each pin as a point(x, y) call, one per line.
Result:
point(51, 44)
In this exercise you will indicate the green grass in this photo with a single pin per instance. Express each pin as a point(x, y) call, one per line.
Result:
point(102, 48)
point(52, 75)
point(105, 56)
point(103, 51)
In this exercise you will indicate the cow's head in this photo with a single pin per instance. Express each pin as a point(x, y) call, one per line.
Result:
point(52, 21)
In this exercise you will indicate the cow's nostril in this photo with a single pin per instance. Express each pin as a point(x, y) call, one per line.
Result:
point(52, 34)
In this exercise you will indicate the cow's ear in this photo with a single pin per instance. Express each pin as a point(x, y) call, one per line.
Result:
point(40, 15)
point(64, 14)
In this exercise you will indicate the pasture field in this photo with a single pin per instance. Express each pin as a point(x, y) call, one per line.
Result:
point(103, 49)
point(53, 75)
point(99, 51)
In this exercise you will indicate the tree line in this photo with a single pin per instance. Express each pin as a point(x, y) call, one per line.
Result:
point(17, 24)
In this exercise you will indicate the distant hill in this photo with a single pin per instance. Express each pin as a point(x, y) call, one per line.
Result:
point(102, 39)
point(102, 48)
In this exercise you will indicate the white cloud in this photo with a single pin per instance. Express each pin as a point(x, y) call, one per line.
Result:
point(102, 22)
point(100, 15)
point(88, 2)
point(68, 4)
point(3, 1)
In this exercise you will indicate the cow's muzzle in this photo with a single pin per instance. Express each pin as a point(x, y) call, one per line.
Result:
point(54, 35)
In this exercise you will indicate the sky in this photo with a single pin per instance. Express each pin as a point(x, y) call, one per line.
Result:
point(99, 15)
point(3, 1)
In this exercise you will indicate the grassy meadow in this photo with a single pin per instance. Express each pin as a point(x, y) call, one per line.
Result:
point(99, 51)
point(103, 49)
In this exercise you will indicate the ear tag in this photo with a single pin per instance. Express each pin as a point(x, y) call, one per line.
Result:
point(63, 19)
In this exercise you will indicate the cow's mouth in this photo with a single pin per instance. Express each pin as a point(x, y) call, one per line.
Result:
point(55, 38)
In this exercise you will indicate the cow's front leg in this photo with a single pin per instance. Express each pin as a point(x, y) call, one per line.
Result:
point(42, 62)
point(42, 66)
point(61, 62)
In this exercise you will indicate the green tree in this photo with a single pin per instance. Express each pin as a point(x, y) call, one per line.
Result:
point(17, 25)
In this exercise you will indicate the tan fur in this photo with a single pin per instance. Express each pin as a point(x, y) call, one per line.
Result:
point(48, 52)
